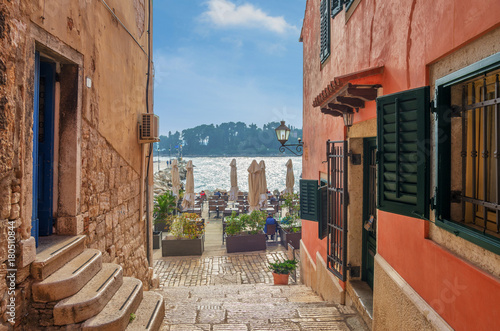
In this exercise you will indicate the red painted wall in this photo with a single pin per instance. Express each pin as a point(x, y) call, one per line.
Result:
point(465, 296)
point(405, 36)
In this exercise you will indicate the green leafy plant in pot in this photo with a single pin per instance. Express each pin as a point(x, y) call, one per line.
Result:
point(281, 271)
point(164, 206)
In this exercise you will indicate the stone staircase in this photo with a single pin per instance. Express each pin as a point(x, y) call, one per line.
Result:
point(82, 293)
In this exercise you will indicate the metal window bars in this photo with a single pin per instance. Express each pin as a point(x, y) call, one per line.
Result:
point(477, 130)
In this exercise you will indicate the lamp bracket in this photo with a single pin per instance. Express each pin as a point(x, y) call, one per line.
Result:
point(298, 148)
point(355, 158)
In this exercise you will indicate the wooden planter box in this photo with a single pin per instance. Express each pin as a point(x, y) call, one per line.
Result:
point(246, 243)
point(161, 227)
point(292, 238)
point(182, 247)
point(157, 239)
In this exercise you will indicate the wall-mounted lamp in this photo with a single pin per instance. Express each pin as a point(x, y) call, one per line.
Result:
point(282, 134)
point(348, 118)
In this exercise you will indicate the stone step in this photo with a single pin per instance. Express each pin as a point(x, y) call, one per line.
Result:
point(53, 252)
point(116, 315)
point(150, 314)
point(69, 279)
point(92, 298)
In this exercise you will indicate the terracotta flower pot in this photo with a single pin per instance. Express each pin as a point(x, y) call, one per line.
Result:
point(280, 279)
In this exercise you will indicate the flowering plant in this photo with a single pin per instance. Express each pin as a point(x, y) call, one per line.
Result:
point(187, 225)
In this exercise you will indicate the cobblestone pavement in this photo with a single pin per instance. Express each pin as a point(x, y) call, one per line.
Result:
point(248, 268)
point(219, 291)
point(254, 307)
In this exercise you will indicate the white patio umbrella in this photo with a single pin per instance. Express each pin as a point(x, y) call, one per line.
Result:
point(233, 193)
point(263, 185)
point(189, 196)
point(290, 178)
point(253, 186)
point(176, 181)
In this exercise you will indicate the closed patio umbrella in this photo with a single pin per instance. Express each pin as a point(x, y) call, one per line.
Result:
point(233, 193)
point(290, 178)
point(189, 196)
point(263, 185)
point(253, 186)
point(176, 181)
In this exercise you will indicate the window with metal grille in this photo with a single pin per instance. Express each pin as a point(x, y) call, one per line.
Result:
point(348, 4)
point(337, 7)
point(403, 145)
point(468, 122)
point(325, 29)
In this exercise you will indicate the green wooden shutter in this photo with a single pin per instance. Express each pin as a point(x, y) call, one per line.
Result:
point(403, 144)
point(309, 206)
point(336, 7)
point(325, 30)
point(323, 217)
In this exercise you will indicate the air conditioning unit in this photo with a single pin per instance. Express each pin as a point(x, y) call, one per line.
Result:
point(148, 128)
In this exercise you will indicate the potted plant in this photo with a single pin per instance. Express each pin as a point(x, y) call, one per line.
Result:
point(244, 232)
point(164, 207)
point(290, 225)
point(281, 271)
point(187, 236)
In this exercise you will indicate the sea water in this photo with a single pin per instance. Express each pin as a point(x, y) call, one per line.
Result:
point(212, 173)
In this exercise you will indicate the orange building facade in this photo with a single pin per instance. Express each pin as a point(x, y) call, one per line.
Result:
point(402, 206)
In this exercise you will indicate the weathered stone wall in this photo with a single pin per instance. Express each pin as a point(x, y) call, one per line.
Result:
point(13, 173)
point(107, 160)
point(110, 201)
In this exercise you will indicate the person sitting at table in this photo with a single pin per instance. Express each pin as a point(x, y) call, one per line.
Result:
point(217, 193)
point(270, 220)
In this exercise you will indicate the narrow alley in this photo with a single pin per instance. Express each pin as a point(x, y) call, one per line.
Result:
point(220, 291)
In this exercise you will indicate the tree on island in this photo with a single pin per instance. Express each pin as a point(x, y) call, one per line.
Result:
point(226, 139)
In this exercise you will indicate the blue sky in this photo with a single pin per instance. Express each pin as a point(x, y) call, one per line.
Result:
point(227, 60)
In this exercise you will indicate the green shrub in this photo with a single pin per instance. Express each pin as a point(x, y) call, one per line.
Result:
point(245, 223)
point(284, 267)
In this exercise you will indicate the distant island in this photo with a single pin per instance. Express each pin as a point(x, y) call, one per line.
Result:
point(226, 139)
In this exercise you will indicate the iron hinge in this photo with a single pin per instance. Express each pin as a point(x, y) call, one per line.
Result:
point(433, 202)
point(432, 107)
point(378, 155)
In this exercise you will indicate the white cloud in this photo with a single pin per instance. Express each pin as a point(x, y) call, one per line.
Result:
point(224, 13)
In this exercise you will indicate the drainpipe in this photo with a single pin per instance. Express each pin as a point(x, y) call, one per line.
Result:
point(149, 231)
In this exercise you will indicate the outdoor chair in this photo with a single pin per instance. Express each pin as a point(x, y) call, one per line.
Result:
point(271, 231)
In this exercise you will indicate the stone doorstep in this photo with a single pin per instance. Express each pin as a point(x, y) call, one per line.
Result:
point(150, 313)
point(69, 279)
point(92, 298)
point(116, 314)
point(362, 297)
point(53, 252)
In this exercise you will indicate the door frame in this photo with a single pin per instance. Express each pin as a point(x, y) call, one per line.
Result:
point(368, 143)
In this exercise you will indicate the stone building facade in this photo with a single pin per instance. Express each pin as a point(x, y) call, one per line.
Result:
point(99, 182)
point(401, 233)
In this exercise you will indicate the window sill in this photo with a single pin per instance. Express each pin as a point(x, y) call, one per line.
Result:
point(351, 10)
point(482, 240)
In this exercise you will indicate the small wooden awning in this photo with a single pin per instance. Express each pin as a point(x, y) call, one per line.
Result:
point(341, 96)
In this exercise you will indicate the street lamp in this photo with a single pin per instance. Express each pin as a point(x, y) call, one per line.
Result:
point(282, 134)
